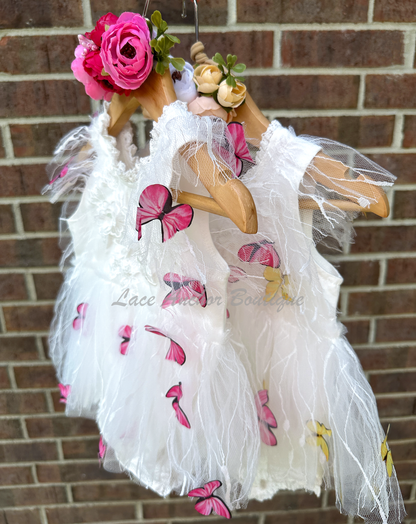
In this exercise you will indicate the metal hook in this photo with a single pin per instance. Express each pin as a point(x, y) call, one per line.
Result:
point(146, 7)
point(183, 14)
point(196, 21)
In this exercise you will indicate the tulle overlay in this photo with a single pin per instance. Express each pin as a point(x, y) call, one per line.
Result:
point(253, 384)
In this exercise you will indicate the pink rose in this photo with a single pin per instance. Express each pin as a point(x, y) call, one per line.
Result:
point(100, 27)
point(126, 53)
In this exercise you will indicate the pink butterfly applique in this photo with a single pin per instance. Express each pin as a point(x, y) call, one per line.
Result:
point(155, 203)
point(65, 391)
point(175, 352)
point(236, 274)
point(78, 321)
point(228, 314)
point(102, 448)
point(125, 334)
point(266, 418)
point(183, 288)
point(238, 140)
point(175, 392)
point(262, 252)
point(62, 173)
point(207, 502)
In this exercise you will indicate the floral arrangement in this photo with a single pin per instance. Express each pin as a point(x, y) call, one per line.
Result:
point(120, 52)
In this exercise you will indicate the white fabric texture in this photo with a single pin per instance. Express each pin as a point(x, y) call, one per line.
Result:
point(293, 348)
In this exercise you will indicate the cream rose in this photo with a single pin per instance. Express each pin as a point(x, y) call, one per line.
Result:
point(207, 106)
point(207, 78)
point(229, 96)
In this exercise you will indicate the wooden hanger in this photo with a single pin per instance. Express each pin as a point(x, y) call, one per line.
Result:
point(328, 172)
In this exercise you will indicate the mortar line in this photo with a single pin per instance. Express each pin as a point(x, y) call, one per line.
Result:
point(370, 13)
point(383, 273)
point(409, 47)
point(30, 286)
point(7, 140)
point(18, 220)
point(361, 92)
point(372, 331)
point(277, 49)
point(231, 13)
point(398, 131)
point(86, 9)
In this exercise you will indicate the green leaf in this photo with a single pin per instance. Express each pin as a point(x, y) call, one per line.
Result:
point(153, 42)
point(219, 59)
point(230, 81)
point(104, 72)
point(239, 68)
point(150, 26)
point(173, 38)
point(178, 63)
point(241, 79)
point(163, 26)
point(160, 68)
point(156, 19)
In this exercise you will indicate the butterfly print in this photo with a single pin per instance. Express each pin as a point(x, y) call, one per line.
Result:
point(79, 319)
point(175, 352)
point(277, 282)
point(125, 333)
point(175, 392)
point(261, 252)
point(266, 418)
point(183, 288)
point(386, 455)
point(102, 448)
point(61, 174)
point(208, 502)
point(65, 391)
point(241, 152)
point(228, 314)
point(318, 430)
point(236, 274)
point(155, 203)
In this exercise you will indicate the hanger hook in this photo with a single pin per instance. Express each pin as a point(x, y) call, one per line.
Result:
point(183, 14)
point(146, 7)
point(196, 21)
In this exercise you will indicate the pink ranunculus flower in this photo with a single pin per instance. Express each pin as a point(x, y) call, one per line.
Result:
point(101, 26)
point(93, 88)
point(125, 51)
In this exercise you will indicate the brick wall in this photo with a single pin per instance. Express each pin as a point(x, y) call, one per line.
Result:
point(343, 69)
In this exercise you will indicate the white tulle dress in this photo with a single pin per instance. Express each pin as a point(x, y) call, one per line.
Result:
point(252, 387)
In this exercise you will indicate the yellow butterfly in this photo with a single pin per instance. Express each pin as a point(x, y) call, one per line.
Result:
point(386, 455)
point(276, 281)
point(317, 438)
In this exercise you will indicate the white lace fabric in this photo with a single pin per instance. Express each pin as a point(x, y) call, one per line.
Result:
point(294, 349)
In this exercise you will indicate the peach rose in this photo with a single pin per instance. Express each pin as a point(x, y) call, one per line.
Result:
point(207, 106)
point(229, 96)
point(207, 78)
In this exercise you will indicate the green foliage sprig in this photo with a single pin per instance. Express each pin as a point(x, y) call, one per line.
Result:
point(162, 44)
point(228, 67)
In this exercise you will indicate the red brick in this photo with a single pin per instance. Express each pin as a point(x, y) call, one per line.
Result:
point(342, 48)
point(58, 406)
point(396, 407)
point(4, 378)
point(393, 382)
point(37, 54)
point(10, 476)
point(357, 331)
point(18, 348)
point(47, 427)
point(75, 472)
point(382, 302)
point(48, 13)
point(406, 470)
point(304, 91)
point(302, 11)
point(211, 12)
point(323, 516)
point(285, 501)
point(12, 287)
point(32, 496)
point(396, 329)
point(10, 428)
point(30, 252)
point(28, 452)
point(43, 97)
point(409, 131)
point(6, 219)
point(20, 516)
point(22, 180)
point(47, 285)
point(360, 273)
point(394, 11)
point(35, 376)
point(28, 318)
point(401, 271)
point(401, 165)
point(38, 139)
point(355, 131)
point(21, 403)
point(390, 91)
point(411, 512)
point(40, 216)
point(404, 451)
point(111, 491)
point(387, 358)
point(379, 239)
point(2, 151)
point(85, 448)
point(253, 48)
point(96, 513)
point(182, 509)
point(404, 204)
